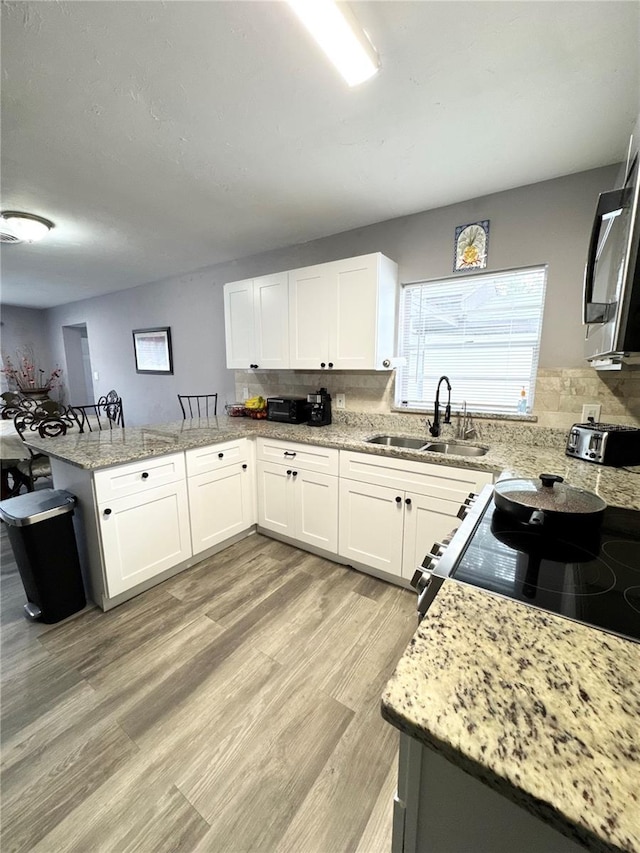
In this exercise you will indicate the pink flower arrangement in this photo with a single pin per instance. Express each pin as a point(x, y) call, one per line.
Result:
point(27, 375)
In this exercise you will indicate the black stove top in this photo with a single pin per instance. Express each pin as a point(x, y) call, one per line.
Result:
point(594, 579)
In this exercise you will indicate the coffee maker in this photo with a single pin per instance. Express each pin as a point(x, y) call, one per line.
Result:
point(320, 408)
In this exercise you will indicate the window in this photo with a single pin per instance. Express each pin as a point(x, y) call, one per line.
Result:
point(482, 331)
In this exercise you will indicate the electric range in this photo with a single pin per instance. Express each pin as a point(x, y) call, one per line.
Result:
point(593, 579)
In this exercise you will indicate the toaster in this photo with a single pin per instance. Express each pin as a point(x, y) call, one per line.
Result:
point(604, 444)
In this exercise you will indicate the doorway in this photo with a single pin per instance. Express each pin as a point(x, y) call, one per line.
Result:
point(78, 359)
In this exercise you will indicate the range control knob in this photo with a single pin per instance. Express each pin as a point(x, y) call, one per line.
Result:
point(420, 580)
point(468, 501)
point(430, 562)
point(438, 549)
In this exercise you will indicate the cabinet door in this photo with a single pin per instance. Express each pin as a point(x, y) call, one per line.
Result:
point(239, 324)
point(143, 535)
point(371, 522)
point(426, 520)
point(315, 509)
point(309, 316)
point(271, 321)
point(352, 332)
point(220, 505)
point(275, 498)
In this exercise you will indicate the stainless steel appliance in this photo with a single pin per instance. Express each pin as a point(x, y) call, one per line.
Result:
point(611, 299)
point(320, 402)
point(289, 410)
point(604, 444)
point(593, 578)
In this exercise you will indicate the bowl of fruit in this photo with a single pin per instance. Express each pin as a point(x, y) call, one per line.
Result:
point(256, 407)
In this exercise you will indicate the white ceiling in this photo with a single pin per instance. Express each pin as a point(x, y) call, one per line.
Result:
point(163, 137)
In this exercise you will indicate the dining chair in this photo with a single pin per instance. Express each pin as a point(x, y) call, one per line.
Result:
point(11, 405)
point(199, 405)
point(38, 464)
point(107, 413)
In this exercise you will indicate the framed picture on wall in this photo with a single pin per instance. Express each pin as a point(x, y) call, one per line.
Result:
point(471, 246)
point(152, 349)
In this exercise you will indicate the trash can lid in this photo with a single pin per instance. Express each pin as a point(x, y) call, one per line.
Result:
point(36, 506)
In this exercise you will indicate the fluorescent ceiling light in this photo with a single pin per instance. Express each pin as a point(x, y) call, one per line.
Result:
point(337, 32)
point(25, 227)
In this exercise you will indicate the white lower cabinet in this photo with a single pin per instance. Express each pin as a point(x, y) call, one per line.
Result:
point(389, 528)
point(299, 504)
point(148, 517)
point(371, 526)
point(221, 492)
point(143, 535)
point(426, 520)
point(220, 504)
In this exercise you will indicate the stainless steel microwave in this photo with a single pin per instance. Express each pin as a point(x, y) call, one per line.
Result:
point(611, 299)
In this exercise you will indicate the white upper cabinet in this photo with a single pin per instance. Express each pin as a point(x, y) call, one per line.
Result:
point(342, 314)
point(256, 319)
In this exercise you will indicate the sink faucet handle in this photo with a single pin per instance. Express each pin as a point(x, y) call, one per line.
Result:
point(447, 414)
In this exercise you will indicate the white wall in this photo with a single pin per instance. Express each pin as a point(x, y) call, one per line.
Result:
point(542, 223)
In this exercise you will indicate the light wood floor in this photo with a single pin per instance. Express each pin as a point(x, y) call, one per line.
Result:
point(233, 708)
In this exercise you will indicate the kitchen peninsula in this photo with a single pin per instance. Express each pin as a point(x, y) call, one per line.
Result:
point(555, 727)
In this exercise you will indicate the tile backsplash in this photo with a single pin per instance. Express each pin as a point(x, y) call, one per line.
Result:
point(559, 397)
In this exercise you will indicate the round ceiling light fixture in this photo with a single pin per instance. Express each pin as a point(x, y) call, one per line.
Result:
point(18, 227)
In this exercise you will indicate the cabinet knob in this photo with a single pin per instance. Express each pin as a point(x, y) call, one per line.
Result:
point(107, 511)
point(145, 475)
point(244, 467)
point(330, 364)
point(295, 473)
point(398, 500)
point(220, 455)
point(407, 501)
point(322, 364)
point(289, 472)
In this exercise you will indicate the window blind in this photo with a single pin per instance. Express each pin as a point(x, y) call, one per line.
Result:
point(482, 331)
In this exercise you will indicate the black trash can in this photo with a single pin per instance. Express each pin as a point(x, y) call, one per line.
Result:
point(40, 528)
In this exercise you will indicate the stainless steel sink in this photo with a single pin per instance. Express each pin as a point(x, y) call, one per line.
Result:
point(447, 447)
point(455, 449)
point(398, 441)
point(452, 448)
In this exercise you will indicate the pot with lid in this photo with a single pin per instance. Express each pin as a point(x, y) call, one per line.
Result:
point(548, 502)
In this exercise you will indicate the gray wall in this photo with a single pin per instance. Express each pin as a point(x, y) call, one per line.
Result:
point(25, 327)
point(545, 223)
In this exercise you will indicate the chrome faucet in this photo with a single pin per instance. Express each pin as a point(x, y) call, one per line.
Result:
point(465, 429)
point(434, 428)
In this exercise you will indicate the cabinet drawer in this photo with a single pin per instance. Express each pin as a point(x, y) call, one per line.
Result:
point(200, 460)
point(438, 481)
point(307, 457)
point(137, 477)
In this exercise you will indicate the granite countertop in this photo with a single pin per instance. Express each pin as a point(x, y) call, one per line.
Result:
point(95, 450)
point(544, 710)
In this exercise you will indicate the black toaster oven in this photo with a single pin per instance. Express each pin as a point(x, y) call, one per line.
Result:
point(288, 410)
